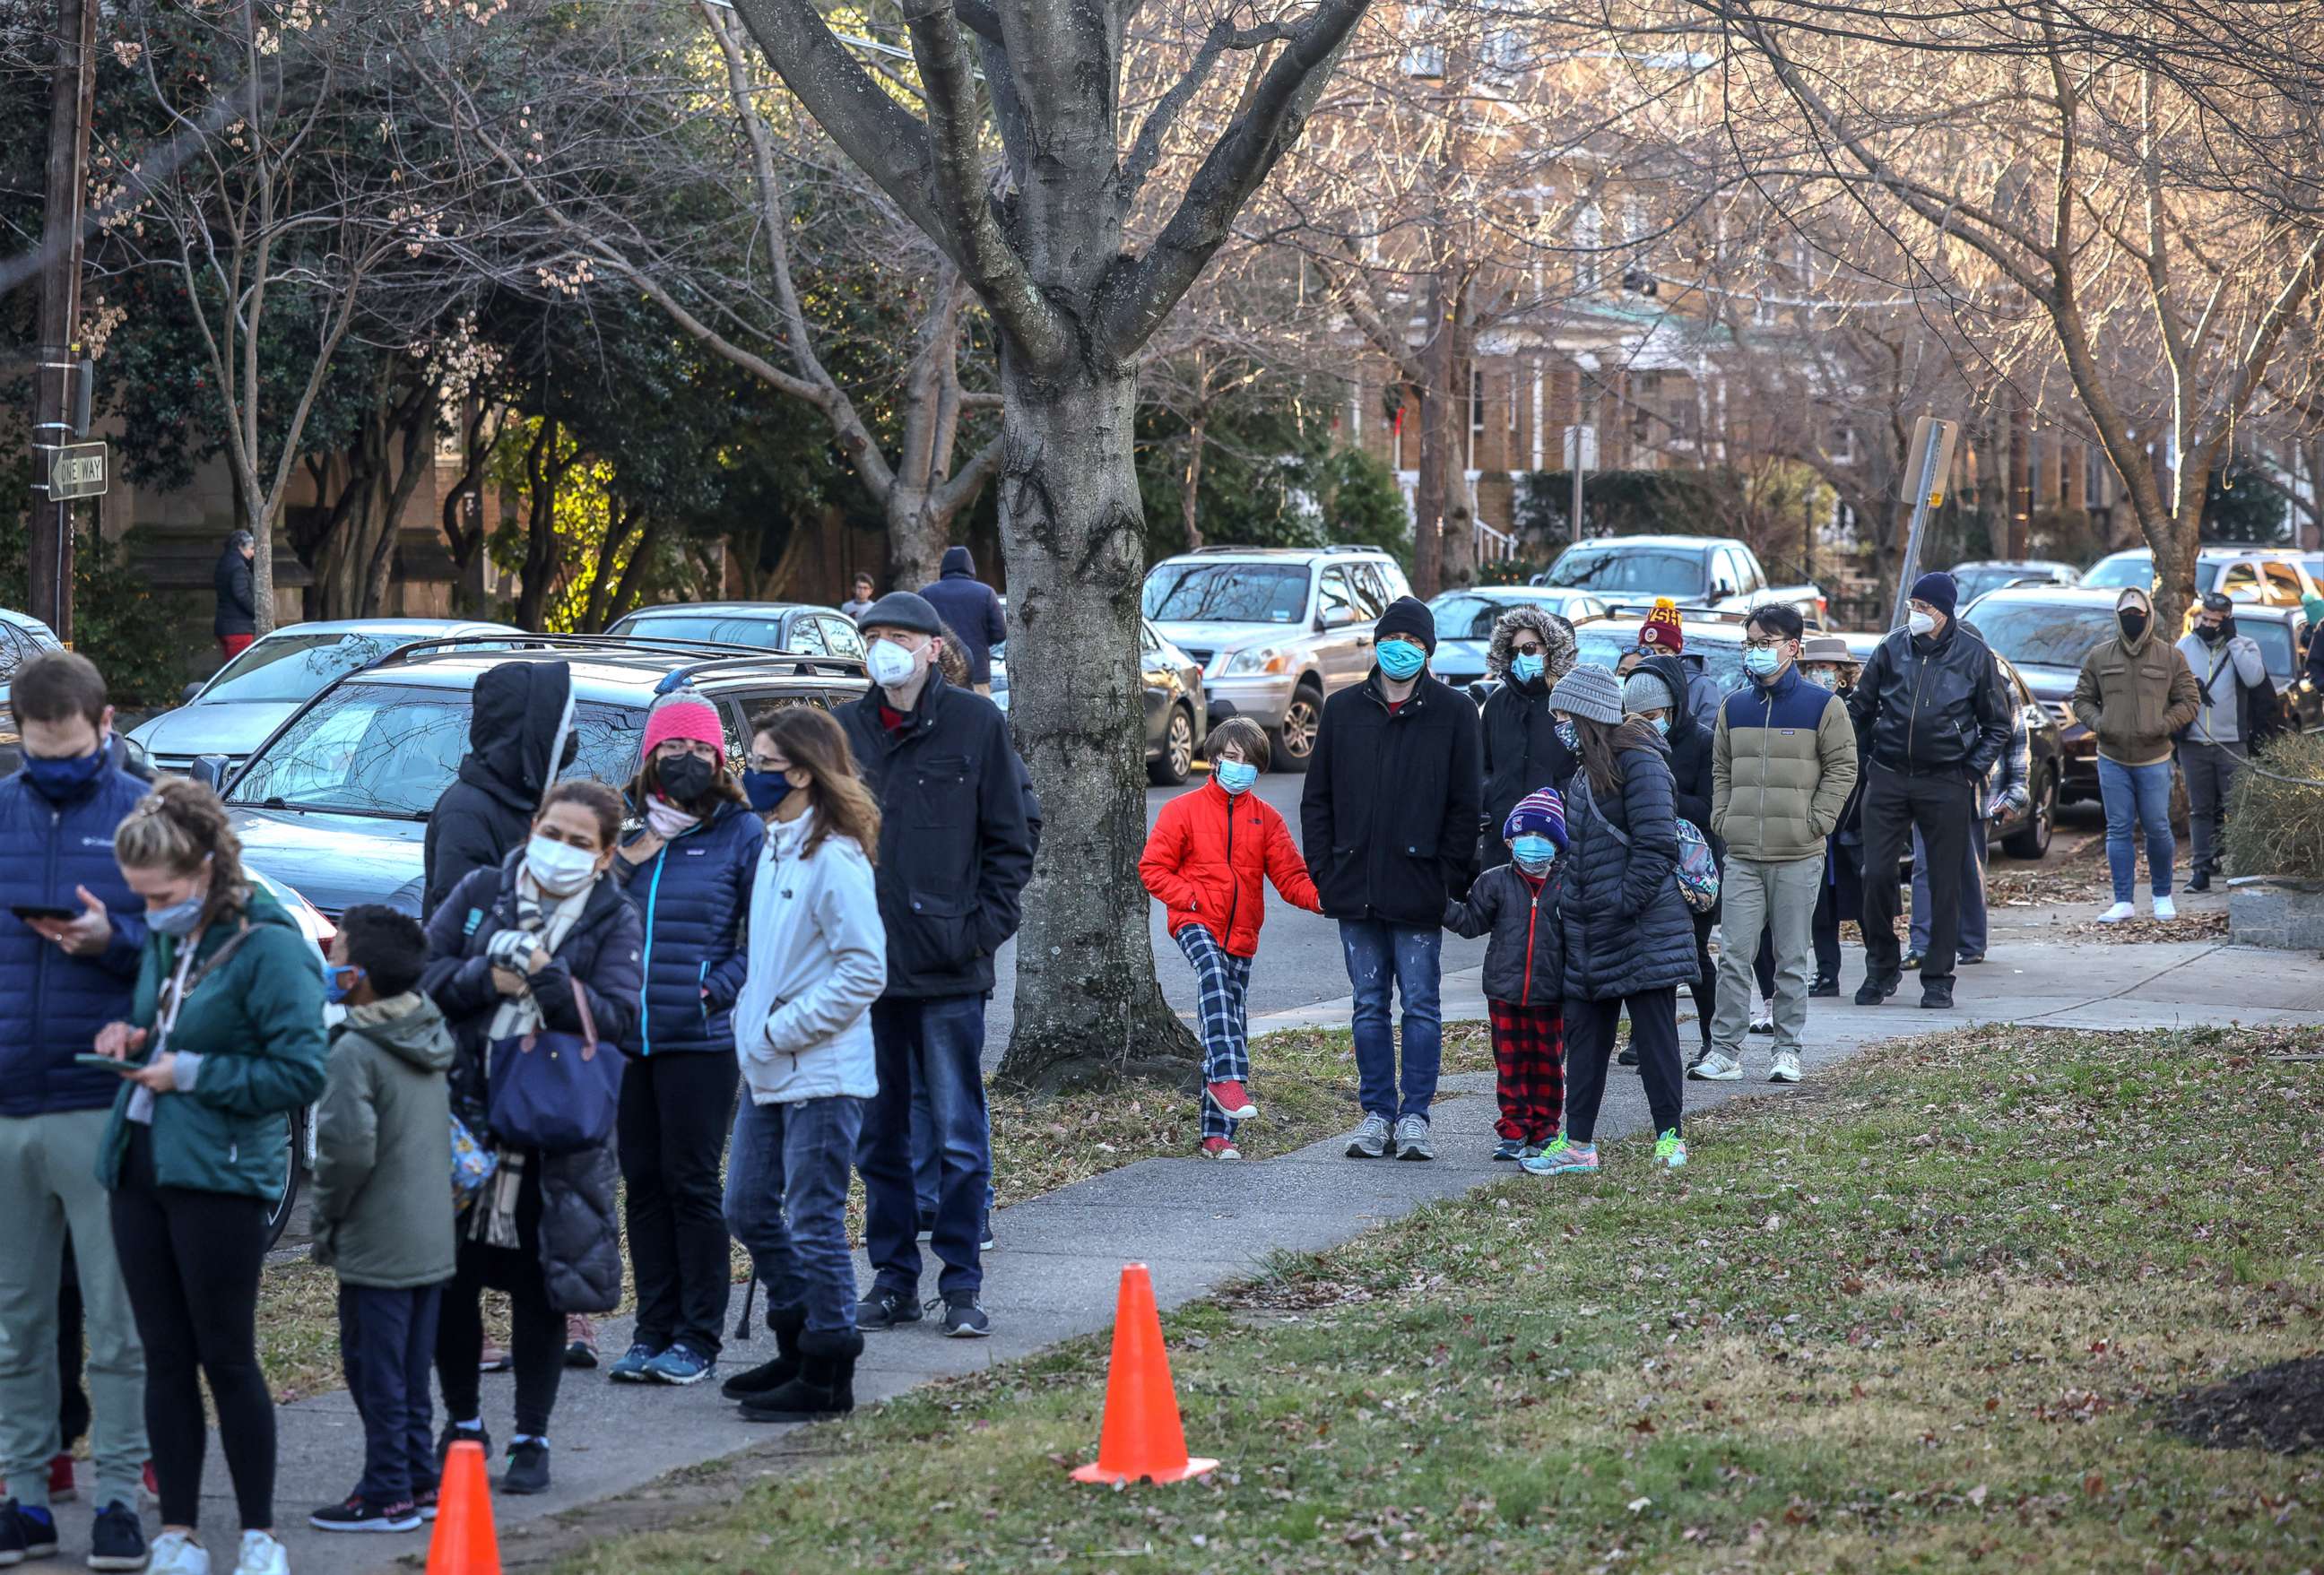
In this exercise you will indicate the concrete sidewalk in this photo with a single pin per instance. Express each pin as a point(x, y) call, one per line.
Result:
point(1199, 1225)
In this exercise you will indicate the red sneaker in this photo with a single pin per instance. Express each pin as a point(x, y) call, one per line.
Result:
point(60, 1481)
point(152, 1486)
point(1220, 1148)
point(1231, 1101)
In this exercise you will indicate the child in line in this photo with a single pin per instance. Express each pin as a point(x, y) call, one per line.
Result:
point(1525, 973)
point(1208, 861)
point(382, 1208)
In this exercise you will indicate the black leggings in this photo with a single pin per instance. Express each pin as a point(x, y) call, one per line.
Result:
point(1705, 988)
point(1590, 1028)
point(190, 1261)
point(675, 1114)
point(536, 1335)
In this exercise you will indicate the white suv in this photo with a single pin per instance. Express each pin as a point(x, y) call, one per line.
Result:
point(1275, 630)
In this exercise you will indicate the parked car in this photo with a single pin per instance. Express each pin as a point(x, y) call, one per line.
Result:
point(336, 801)
point(248, 698)
point(1975, 579)
point(1275, 630)
point(1465, 620)
point(2045, 632)
point(1177, 717)
point(2281, 635)
point(797, 626)
point(1716, 572)
point(2274, 577)
point(1713, 640)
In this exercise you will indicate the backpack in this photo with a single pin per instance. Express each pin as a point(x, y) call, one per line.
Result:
point(1697, 872)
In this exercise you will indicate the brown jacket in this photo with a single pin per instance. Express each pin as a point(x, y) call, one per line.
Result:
point(2135, 694)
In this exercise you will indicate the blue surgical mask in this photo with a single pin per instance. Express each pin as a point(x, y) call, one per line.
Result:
point(56, 779)
point(1533, 851)
point(339, 984)
point(179, 918)
point(766, 790)
point(1235, 775)
point(1401, 659)
point(1526, 667)
point(1761, 662)
point(1662, 725)
point(1568, 734)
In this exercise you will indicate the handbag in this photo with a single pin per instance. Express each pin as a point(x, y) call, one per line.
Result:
point(553, 1091)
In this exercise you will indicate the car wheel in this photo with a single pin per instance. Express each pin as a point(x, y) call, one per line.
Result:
point(2032, 841)
point(1292, 744)
point(1177, 757)
point(279, 1208)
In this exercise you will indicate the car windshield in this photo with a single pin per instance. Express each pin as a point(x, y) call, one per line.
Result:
point(391, 749)
point(1608, 645)
point(754, 629)
point(1470, 615)
point(2045, 634)
point(2137, 568)
point(290, 666)
point(2274, 643)
point(1627, 571)
point(1226, 593)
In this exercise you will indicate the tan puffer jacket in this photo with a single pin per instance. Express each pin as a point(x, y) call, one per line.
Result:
point(2135, 694)
point(1783, 761)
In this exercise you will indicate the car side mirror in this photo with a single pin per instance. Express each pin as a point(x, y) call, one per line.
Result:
point(1723, 589)
point(192, 690)
point(210, 770)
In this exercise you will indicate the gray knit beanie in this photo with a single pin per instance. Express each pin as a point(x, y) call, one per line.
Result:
point(1591, 691)
point(1646, 691)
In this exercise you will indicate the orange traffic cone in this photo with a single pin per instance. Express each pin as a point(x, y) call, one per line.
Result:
point(1142, 1436)
point(464, 1542)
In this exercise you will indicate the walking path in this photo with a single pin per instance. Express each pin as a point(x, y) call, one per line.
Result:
point(1200, 1224)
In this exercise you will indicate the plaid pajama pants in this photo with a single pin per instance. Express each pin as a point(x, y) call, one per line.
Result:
point(1225, 979)
point(1529, 1064)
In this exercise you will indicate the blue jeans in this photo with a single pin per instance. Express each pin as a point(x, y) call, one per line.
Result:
point(937, 1046)
point(2136, 793)
point(787, 1204)
point(1406, 958)
point(927, 1163)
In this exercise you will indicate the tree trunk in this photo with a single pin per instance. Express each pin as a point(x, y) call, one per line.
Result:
point(1428, 493)
point(1088, 1008)
point(917, 534)
point(2176, 546)
point(1189, 508)
point(1456, 551)
point(540, 553)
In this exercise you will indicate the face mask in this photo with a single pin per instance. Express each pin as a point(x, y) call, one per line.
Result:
point(1533, 851)
point(1662, 725)
point(1922, 623)
point(1526, 667)
point(179, 918)
point(766, 790)
point(2210, 633)
point(340, 982)
point(891, 665)
point(559, 869)
point(1236, 775)
point(62, 778)
point(1568, 734)
point(2133, 623)
point(1760, 662)
point(1401, 659)
point(684, 777)
point(1823, 678)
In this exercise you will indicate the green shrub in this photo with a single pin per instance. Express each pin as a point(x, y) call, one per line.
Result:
point(119, 623)
point(2275, 815)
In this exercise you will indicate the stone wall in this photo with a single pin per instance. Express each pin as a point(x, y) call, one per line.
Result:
point(2285, 914)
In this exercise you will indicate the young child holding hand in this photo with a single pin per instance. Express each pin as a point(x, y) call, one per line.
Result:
point(1525, 973)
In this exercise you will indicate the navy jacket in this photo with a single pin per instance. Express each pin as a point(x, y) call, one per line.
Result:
point(1388, 817)
point(971, 608)
point(237, 608)
point(52, 1005)
point(1627, 929)
point(692, 897)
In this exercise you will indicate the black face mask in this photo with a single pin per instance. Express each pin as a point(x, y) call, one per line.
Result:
point(2133, 623)
point(2212, 633)
point(685, 779)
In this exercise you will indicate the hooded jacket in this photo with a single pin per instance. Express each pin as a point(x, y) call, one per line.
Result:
point(1690, 745)
point(1208, 861)
point(2135, 695)
point(1517, 735)
point(1624, 924)
point(520, 716)
point(1782, 765)
point(972, 609)
point(237, 607)
point(818, 959)
point(1388, 817)
point(691, 897)
point(380, 1210)
point(2226, 674)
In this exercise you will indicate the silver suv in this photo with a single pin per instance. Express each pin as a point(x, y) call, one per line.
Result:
point(1275, 630)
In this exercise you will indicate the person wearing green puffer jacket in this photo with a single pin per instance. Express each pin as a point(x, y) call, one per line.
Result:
point(225, 1039)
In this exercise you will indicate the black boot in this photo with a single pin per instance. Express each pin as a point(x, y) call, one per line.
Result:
point(825, 1384)
point(787, 1322)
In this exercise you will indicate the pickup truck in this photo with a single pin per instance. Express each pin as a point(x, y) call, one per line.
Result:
point(1716, 572)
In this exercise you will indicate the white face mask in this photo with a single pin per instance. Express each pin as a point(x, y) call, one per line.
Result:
point(559, 869)
point(1922, 623)
point(891, 665)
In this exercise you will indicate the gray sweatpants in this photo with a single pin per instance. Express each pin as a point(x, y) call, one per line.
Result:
point(1781, 899)
point(2210, 769)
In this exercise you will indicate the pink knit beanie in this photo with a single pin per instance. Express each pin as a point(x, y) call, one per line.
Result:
point(687, 716)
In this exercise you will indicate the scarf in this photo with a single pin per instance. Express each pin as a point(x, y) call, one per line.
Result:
point(667, 820)
point(541, 921)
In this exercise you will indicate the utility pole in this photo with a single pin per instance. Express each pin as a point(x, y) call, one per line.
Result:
point(71, 102)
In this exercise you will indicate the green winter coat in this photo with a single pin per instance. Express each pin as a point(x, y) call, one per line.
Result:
point(256, 1021)
point(381, 1208)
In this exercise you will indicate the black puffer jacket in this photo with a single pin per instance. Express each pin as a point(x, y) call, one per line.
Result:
point(1525, 961)
point(1690, 748)
point(1387, 819)
point(519, 719)
point(1626, 927)
point(575, 1232)
point(1932, 706)
point(237, 608)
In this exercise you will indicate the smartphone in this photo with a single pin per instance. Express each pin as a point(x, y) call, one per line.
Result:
point(105, 1063)
point(29, 911)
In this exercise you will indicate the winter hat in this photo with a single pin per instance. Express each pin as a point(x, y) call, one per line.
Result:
point(2314, 607)
point(1937, 589)
point(902, 609)
point(1591, 691)
point(1541, 812)
point(684, 715)
point(1407, 615)
point(1646, 691)
point(1661, 630)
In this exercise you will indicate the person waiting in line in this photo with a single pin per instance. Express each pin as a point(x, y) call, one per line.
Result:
point(1651, 695)
point(1662, 634)
point(688, 871)
point(1826, 662)
point(973, 609)
point(1531, 648)
point(818, 961)
point(506, 951)
point(1628, 941)
point(2136, 694)
point(223, 1041)
point(2007, 790)
point(1516, 902)
point(2227, 668)
point(1215, 895)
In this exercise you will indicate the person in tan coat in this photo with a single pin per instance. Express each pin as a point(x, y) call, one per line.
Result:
point(2135, 692)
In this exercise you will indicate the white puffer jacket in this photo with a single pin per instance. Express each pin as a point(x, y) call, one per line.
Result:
point(818, 959)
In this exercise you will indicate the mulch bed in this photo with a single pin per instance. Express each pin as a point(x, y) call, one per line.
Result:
point(2279, 1409)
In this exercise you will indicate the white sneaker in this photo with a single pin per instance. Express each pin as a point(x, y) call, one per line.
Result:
point(176, 1553)
point(2165, 910)
point(1717, 1067)
point(2118, 913)
point(1763, 1017)
point(1786, 1068)
point(262, 1556)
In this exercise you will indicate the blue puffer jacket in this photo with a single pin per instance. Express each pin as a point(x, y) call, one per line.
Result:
point(1627, 928)
point(52, 1005)
point(693, 897)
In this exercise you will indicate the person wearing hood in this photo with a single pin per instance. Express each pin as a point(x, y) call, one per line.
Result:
point(380, 1214)
point(688, 870)
point(520, 737)
point(2135, 694)
point(1651, 694)
point(2229, 666)
point(1532, 648)
point(1388, 826)
point(973, 609)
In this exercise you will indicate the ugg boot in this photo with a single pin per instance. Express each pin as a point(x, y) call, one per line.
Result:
point(768, 1375)
point(825, 1384)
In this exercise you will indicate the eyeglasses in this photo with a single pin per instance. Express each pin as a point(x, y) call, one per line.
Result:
point(1751, 644)
point(759, 762)
point(670, 748)
point(1528, 648)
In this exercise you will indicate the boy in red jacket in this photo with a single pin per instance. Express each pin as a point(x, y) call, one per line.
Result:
point(1212, 852)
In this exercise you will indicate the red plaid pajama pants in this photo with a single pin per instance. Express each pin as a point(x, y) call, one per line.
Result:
point(1529, 1062)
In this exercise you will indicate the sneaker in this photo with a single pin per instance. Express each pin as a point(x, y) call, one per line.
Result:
point(1560, 1157)
point(1970, 959)
point(1531, 1151)
point(886, 1310)
point(1628, 1055)
point(1873, 991)
point(2116, 913)
point(1786, 1068)
point(1231, 1100)
point(1913, 960)
point(117, 1539)
point(424, 1501)
point(963, 1319)
point(1220, 1148)
point(2165, 910)
point(26, 1533)
point(1717, 1067)
point(1763, 1018)
point(262, 1556)
point(177, 1553)
point(2201, 882)
point(1412, 1139)
point(353, 1515)
point(580, 1340)
point(1372, 1138)
point(495, 1357)
point(632, 1366)
point(1670, 1151)
point(1511, 1149)
point(1823, 988)
point(927, 1228)
point(528, 1467)
point(1937, 998)
point(455, 1433)
point(681, 1364)
point(985, 1239)
point(62, 1490)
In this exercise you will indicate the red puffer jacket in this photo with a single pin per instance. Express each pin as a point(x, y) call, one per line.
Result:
point(1210, 858)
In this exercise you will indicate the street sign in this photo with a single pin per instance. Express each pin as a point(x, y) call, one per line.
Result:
point(1925, 470)
point(77, 469)
point(1585, 439)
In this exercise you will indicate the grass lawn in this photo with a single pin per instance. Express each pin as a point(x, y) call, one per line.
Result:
point(1920, 1316)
